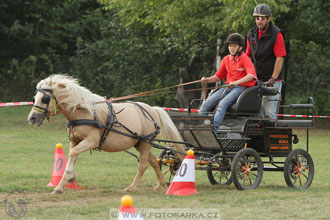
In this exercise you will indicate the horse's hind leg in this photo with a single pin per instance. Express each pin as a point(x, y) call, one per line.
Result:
point(143, 149)
point(161, 180)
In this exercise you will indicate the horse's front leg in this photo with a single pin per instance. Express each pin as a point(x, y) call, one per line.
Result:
point(69, 170)
point(69, 175)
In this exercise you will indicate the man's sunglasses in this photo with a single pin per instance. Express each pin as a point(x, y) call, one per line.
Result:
point(260, 18)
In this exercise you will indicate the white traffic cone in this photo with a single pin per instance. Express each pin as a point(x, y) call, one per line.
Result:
point(183, 183)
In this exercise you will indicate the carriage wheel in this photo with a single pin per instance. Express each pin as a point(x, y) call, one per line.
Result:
point(168, 169)
point(219, 172)
point(247, 169)
point(298, 169)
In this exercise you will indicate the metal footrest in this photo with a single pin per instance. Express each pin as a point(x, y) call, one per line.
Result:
point(233, 143)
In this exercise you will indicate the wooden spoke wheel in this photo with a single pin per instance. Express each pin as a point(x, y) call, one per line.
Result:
point(247, 169)
point(219, 171)
point(298, 169)
point(169, 164)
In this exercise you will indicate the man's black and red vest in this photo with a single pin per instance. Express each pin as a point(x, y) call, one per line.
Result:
point(262, 52)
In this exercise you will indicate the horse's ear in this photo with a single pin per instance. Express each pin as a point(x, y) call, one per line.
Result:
point(49, 82)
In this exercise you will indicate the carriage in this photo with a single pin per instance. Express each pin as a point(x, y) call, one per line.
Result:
point(246, 144)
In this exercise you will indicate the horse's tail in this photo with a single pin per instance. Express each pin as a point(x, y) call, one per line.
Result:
point(169, 131)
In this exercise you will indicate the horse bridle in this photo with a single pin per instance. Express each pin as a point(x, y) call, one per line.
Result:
point(46, 98)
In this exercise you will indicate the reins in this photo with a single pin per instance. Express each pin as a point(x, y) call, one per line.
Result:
point(158, 92)
point(146, 93)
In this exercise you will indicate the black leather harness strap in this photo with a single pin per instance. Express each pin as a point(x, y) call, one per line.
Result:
point(94, 123)
point(150, 118)
point(113, 122)
point(108, 125)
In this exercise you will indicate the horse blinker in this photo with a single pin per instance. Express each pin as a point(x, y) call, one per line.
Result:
point(45, 99)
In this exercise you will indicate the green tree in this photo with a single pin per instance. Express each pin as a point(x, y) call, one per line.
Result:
point(308, 24)
point(121, 47)
point(37, 39)
point(192, 27)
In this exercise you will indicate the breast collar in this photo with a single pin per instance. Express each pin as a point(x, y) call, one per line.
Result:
point(111, 120)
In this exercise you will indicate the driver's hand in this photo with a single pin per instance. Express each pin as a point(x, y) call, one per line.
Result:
point(270, 82)
point(231, 84)
point(203, 80)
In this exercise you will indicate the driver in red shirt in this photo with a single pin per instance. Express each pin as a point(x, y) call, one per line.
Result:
point(239, 72)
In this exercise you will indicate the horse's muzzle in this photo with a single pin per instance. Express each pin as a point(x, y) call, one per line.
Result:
point(36, 119)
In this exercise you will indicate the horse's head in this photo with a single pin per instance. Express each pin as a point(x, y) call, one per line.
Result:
point(45, 101)
point(60, 93)
point(44, 104)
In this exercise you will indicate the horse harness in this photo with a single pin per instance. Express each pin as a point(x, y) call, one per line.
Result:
point(112, 122)
point(45, 100)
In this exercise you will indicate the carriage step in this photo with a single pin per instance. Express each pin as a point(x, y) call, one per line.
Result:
point(233, 143)
point(273, 168)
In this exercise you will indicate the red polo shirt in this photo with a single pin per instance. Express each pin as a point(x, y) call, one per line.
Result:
point(233, 70)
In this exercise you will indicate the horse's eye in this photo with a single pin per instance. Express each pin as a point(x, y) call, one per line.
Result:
point(45, 99)
point(33, 100)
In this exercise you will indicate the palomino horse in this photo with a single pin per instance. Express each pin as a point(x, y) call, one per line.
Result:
point(108, 127)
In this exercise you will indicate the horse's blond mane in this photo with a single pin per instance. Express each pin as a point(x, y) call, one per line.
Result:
point(73, 95)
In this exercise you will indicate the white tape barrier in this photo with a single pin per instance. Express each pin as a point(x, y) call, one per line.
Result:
point(6, 104)
point(280, 115)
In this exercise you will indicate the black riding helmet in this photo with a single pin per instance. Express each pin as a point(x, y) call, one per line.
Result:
point(262, 10)
point(235, 38)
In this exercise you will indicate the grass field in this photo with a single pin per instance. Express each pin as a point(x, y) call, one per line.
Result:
point(26, 164)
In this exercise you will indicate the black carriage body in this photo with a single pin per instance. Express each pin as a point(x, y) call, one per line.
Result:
point(272, 142)
point(197, 130)
point(246, 141)
point(269, 141)
point(233, 134)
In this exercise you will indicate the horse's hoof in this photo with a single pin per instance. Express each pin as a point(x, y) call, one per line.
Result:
point(57, 192)
point(160, 188)
point(130, 189)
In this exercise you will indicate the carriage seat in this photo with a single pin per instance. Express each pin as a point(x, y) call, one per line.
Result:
point(295, 123)
point(249, 102)
point(290, 123)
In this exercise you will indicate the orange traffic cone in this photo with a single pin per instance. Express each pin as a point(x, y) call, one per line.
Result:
point(127, 210)
point(59, 168)
point(183, 183)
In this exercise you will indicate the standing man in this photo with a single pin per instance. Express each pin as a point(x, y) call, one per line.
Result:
point(265, 46)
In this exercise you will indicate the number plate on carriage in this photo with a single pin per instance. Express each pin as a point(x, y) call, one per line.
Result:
point(280, 141)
